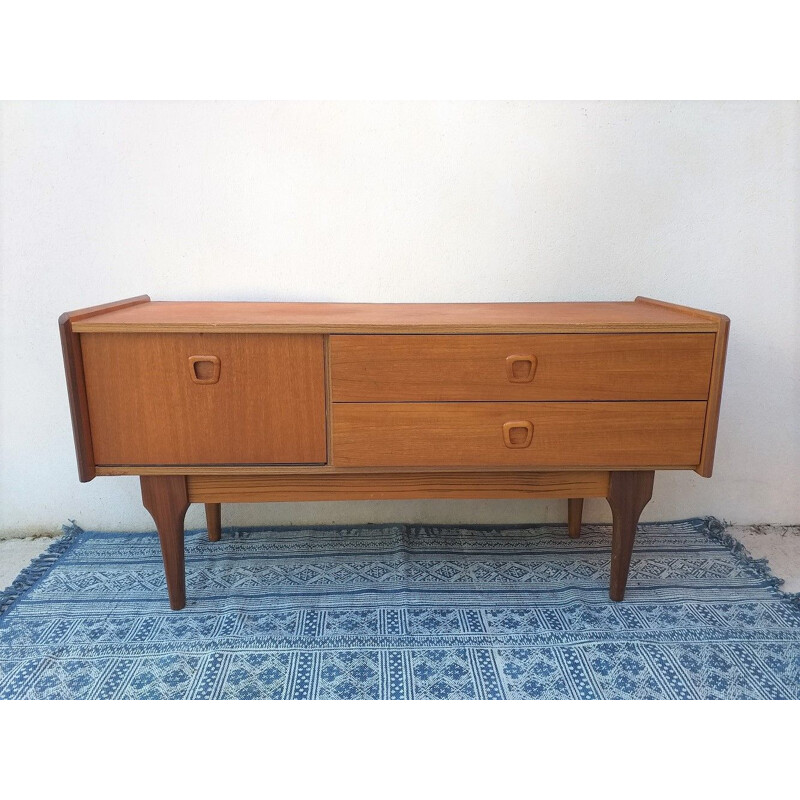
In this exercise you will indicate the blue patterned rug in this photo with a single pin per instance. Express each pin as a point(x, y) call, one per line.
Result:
point(401, 611)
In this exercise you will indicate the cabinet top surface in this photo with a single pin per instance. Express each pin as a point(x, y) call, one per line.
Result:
point(254, 317)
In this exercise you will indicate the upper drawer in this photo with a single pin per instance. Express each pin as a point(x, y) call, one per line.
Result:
point(570, 366)
point(195, 398)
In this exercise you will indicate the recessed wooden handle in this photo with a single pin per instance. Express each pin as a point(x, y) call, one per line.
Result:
point(518, 433)
point(204, 369)
point(520, 368)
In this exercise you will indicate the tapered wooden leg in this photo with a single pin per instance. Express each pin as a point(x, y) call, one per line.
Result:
point(575, 510)
point(628, 494)
point(166, 498)
point(214, 521)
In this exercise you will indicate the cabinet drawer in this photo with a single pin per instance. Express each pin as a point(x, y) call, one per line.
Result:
point(600, 434)
point(573, 366)
point(205, 398)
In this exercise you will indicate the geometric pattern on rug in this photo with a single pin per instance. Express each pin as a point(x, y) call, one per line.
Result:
point(401, 612)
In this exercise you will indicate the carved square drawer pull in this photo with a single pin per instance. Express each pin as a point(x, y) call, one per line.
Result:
point(204, 369)
point(520, 369)
point(517, 434)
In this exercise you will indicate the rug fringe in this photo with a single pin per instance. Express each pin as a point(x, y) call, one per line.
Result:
point(39, 567)
point(714, 529)
point(711, 527)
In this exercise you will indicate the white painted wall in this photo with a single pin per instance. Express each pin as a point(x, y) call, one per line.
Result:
point(695, 203)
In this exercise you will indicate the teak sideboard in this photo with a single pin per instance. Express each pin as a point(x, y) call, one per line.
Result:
point(247, 402)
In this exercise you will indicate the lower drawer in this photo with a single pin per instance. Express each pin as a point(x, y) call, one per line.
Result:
point(601, 434)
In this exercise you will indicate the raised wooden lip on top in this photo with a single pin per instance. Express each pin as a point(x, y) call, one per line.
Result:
point(641, 315)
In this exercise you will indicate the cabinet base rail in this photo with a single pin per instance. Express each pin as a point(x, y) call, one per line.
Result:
point(167, 498)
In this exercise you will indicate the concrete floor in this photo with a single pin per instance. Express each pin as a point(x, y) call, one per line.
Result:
point(780, 544)
point(16, 554)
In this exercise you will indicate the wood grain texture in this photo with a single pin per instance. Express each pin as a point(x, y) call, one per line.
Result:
point(328, 398)
point(574, 514)
point(324, 469)
point(400, 368)
point(82, 314)
point(189, 317)
point(652, 303)
point(579, 435)
point(628, 494)
point(706, 466)
point(76, 386)
point(402, 486)
point(267, 407)
point(167, 500)
point(722, 325)
point(214, 521)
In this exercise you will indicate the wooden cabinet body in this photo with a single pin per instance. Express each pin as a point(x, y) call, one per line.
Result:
point(226, 402)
